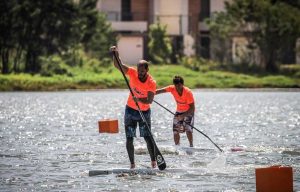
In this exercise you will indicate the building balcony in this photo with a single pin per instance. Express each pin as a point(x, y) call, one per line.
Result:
point(129, 26)
point(125, 16)
point(128, 22)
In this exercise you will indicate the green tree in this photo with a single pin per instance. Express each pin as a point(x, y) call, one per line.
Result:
point(36, 28)
point(160, 47)
point(270, 25)
point(7, 37)
point(33, 28)
point(101, 39)
point(220, 27)
point(96, 34)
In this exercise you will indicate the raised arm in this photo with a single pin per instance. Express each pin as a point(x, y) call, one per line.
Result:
point(124, 67)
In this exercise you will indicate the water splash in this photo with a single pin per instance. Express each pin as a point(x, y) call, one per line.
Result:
point(218, 163)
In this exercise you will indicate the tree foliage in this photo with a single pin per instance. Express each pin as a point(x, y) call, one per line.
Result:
point(160, 47)
point(34, 28)
point(270, 25)
point(101, 39)
point(221, 26)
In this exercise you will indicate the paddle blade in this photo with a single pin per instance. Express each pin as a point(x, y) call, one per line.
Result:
point(162, 166)
point(160, 161)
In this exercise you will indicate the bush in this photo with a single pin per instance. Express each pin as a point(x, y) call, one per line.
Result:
point(106, 62)
point(199, 64)
point(160, 47)
point(74, 56)
point(97, 66)
point(53, 65)
point(292, 70)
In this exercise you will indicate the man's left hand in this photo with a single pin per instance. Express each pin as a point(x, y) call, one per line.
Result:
point(135, 99)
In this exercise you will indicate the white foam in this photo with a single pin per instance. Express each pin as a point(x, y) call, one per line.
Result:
point(218, 163)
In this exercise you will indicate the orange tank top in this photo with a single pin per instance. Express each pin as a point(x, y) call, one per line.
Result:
point(139, 89)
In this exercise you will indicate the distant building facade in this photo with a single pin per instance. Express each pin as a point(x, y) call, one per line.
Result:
point(184, 20)
point(185, 26)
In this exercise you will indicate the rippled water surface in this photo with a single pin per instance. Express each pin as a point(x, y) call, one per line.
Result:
point(49, 141)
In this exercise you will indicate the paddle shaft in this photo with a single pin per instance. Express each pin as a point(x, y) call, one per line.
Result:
point(190, 125)
point(159, 158)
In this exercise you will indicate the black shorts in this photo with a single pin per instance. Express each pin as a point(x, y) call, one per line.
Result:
point(132, 118)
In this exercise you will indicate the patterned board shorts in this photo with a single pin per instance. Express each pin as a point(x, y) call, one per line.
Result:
point(183, 126)
point(132, 118)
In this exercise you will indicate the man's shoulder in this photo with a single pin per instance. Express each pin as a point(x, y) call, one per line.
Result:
point(188, 89)
point(132, 72)
point(151, 80)
point(171, 87)
point(131, 69)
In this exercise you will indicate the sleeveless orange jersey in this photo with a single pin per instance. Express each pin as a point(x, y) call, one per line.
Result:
point(139, 89)
point(182, 101)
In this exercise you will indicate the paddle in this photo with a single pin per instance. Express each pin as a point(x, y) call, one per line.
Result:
point(190, 125)
point(158, 156)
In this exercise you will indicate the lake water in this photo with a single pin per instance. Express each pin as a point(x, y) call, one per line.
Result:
point(49, 141)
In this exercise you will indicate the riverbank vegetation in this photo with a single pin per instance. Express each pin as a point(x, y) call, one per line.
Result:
point(69, 48)
point(109, 77)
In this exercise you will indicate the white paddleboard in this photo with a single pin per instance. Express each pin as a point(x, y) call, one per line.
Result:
point(142, 171)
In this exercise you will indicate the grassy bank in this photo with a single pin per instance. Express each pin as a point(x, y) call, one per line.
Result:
point(111, 78)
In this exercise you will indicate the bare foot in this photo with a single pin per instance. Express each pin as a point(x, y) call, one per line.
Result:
point(153, 164)
point(132, 166)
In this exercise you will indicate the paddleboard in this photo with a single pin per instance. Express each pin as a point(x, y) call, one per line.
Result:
point(142, 171)
point(171, 150)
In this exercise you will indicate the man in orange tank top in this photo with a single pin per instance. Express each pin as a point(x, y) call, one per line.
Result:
point(143, 87)
point(184, 116)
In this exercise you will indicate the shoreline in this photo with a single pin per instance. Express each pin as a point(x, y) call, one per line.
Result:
point(196, 89)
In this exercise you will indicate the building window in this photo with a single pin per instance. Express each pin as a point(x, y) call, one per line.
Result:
point(204, 9)
point(126, 10)
point(205, 47)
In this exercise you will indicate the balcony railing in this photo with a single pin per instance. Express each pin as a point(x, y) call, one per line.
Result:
point(141, 16)
point(129, 26)
point(126, 16)
point(176, 24)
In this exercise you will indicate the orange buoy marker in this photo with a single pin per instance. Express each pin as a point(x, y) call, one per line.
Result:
point(274, 178)
point(108, 126)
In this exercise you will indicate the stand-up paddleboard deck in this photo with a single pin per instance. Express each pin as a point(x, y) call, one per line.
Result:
point(144, 171)
point(140, 150)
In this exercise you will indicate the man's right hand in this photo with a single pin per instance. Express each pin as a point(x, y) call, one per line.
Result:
point(117, 61)
point(114, 49)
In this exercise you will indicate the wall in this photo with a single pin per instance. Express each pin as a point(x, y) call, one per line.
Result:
point(217, 5)
point(131, 49)
point(194, 11)
point(174, 13)
point(111, 7)
point(140, 10)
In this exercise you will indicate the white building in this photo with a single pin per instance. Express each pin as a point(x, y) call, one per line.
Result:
point(184, 20)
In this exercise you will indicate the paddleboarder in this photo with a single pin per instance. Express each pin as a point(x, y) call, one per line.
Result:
point(143, 87)
point(184, 116)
